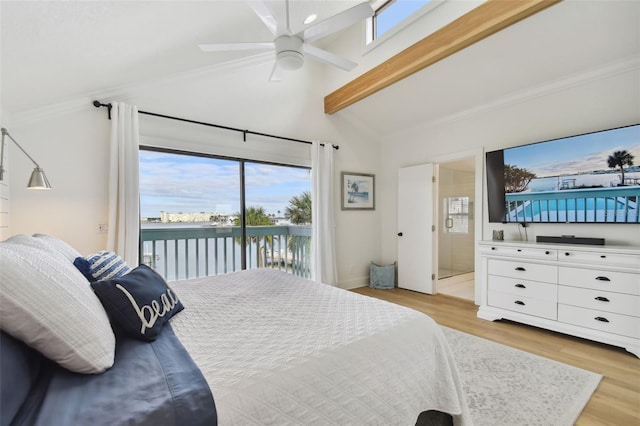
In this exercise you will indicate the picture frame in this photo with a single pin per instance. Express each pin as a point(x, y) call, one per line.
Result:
point(357, 191)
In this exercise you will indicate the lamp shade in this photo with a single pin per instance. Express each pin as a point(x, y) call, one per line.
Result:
point(38, 180)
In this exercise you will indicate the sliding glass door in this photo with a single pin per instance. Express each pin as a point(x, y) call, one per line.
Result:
point(204, 215)
point(278, 216)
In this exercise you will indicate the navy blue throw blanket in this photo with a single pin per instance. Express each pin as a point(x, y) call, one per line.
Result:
point(155, 383)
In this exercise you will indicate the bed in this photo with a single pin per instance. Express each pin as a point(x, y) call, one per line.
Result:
point(245, 348)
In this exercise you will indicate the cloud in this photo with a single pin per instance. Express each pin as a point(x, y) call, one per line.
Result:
point(586, 162)
point(181, 183)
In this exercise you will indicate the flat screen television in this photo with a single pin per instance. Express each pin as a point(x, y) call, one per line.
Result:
point(588, 178)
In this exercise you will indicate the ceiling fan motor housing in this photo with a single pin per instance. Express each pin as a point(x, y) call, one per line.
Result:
point(289, 52)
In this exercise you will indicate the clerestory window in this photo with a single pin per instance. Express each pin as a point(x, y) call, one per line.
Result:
point(391, 14)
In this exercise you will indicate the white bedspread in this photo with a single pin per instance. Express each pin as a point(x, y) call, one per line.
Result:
point(281, 350)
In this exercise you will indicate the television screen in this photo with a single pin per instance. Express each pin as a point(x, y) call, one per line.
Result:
point(588, 178)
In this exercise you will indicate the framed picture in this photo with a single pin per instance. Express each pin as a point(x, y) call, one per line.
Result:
point(358, 191)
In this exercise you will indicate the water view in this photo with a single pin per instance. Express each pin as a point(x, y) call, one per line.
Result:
point(585, 178)
point(187, 250)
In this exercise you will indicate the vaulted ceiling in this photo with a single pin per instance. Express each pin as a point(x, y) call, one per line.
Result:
point(56, 51)
point(53, 51)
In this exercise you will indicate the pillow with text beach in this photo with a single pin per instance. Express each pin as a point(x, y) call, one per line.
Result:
point(140, 302)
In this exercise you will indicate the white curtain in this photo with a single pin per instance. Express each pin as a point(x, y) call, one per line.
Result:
point(124, 199)
point(323, 258)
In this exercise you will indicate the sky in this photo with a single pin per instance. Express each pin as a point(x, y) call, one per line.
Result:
point(396, 12)
point(180, 183)
point(575, 154)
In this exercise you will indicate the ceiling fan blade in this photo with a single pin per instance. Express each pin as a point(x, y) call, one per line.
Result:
point(264, 13)
point(223, 47)
point(338, 22)
point(328, 58)
point(276, 73)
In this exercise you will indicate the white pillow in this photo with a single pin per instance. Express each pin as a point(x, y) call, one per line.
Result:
point(48, 304)
point(59, 245)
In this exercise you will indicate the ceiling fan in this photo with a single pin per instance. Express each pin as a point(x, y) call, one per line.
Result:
point(291, 48)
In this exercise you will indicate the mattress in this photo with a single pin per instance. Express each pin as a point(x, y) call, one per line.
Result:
point(278, 349)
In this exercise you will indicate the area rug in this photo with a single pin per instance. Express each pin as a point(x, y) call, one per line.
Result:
point(507, 386)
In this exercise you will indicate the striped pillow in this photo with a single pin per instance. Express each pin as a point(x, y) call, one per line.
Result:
point(103, 265)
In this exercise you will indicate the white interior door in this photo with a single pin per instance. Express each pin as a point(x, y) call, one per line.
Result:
point(415, 228)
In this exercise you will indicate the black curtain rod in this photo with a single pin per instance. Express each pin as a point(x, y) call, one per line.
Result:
point(244, 132)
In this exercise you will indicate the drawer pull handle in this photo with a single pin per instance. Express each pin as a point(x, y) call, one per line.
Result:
point(519, 250)
point(521, 286)
point(602, 279)
point(520, 268)
point(602, 299)
point(567, 253)
point(493, 248)
point(601, 319)
point(547, 252)
point(603, 256)
point(519, 302)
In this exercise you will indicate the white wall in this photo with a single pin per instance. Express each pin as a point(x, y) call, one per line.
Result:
point(599, 103)
point(72, 147)
point(5, 211)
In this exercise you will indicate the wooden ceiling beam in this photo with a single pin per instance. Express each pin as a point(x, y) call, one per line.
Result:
point(486, 19)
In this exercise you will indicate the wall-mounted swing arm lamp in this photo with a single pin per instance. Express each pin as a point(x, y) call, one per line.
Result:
point(38, 179)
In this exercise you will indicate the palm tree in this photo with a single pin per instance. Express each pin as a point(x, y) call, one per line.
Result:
point(299, 213)
point(516, 179)
point(255, 216)
point(299, 209)
point(620, 159)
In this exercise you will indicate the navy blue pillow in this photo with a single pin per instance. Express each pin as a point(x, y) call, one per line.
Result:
point(140, 302)
point(103, 265)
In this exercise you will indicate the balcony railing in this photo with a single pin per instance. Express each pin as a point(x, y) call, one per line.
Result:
point(181, 252)
point(602, 205)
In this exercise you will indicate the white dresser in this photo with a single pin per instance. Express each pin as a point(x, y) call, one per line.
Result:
point(586, 291)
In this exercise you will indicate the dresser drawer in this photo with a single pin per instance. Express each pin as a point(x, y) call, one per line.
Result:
point(526, 305)
point(599, 320)
point(523, 270)
point(523, 252)
point(525, 288)
point(618, 303)
point(618, 282)
point(600, 258)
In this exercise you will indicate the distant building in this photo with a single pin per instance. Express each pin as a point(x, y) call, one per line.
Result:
point(213, 218)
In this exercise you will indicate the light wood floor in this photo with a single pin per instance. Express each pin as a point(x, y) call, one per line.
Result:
point(458, 285)
point(616, 401)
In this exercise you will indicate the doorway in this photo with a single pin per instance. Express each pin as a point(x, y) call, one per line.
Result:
point(456, 227)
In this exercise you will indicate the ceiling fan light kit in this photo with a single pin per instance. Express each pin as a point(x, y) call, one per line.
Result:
point(291, 47)
point(289, 54)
